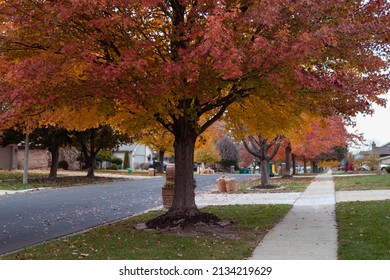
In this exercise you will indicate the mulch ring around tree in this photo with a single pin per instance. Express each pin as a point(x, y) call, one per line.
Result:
point(173, 220)
point(201, 224)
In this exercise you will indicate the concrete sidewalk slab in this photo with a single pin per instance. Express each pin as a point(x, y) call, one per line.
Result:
point(345, 196)
point(8, 192)
point(245, 199)
point(308, 231)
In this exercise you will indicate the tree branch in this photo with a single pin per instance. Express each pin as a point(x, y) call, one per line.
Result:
point(168, 127)
point(251, 151)
point(214, 118)
point(228, 99)
point(276, 149)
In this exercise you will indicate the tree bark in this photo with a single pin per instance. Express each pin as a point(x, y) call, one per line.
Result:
point(160, 169)
point(304, 165)
point(314, 167)
point(288, 161)
point(264, 172)
point(55, 154)
point(91, 167)
point(294, 163)
point(260, 149)
point(184, 199)
point(183, 211)
point(89, 159)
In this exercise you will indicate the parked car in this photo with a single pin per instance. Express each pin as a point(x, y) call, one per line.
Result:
point(156, 164)
point(384, 166)
point(364, 168)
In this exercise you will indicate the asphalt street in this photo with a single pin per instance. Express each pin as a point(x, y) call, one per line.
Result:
point(34, 217)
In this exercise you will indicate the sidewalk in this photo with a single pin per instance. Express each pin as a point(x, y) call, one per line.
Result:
point(308, 231)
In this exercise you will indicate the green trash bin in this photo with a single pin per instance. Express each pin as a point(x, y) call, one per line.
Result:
point(244, 171)
point(271, 169)
point(129, 171)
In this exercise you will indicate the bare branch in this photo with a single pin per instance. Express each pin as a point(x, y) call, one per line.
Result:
point(250, 150)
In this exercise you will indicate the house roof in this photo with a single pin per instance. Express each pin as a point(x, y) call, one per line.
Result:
point(386, 145)
point(381, 151)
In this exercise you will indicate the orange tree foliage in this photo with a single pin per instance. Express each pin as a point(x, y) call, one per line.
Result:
point(247, 160)
point(205, 148)
point(318, 136)
point(261, 126)
point(207, 154)
point(182, 63)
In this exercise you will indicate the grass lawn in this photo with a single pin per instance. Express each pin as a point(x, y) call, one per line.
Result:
point(294, 184)
point(121, 241)
point(362, 182)
point(364, 230)
point(13, 180)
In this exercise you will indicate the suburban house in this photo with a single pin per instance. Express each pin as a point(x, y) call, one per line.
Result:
point(12, 157)
point(385, 160)
point(9, 157)
point(138, 154)
point(382, 151)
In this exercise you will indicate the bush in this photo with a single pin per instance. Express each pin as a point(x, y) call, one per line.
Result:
point(388, 169)
point(169, 184)
point(63, 164)
point(370, 163)
point(116, 160)
point(144, 165)
point(113, 166)
point(126, 163)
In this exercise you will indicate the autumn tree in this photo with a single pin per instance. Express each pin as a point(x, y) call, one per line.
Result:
point(228, 152)
point(93, 140)
point(265, 150)
point(126, 160)
point(262, 129)
point(207, 154)
point(318, 136)
point(289, 160)
point(160, 140)
point(51, 138)
point(182, 63)
point(246, 158)
point(11, 136)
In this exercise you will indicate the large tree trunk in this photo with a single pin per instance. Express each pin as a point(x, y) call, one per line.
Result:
point(294, 163)
point(264, 173)
point(89, 159)
point(55, 154)
point(288, 161)
point(91, 166)
point(160, 169)
point(184, 199)
point(91, 156)
point(304, 165)
point(184, 211)
point(314, 167)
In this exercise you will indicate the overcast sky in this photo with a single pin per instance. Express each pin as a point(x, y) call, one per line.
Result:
point(376, 127)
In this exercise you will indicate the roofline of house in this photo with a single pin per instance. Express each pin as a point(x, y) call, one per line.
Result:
point(386, 144)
